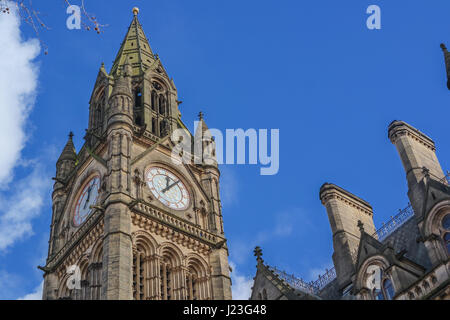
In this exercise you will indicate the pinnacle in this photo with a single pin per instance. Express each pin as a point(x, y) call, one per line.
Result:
point(135, 48)
point(68, 152)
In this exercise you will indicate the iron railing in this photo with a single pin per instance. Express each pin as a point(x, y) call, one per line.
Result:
point(325, 278)
point(446, 179)
point(312, 287)
point(294, 282)
point(404, 215)
point(394, 223)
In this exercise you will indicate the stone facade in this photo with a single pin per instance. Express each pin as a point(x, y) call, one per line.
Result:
point(134, 242)
point(407, 259)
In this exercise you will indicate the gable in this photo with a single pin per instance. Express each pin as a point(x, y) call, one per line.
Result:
point(160, 156)
point(74, 186)
point(435, 193)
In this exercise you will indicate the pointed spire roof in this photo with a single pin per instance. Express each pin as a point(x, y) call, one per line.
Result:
point(204, 138)
point(69, 152)
point(135, 48)
point(202, 132)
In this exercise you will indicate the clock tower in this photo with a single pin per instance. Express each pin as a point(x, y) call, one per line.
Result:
point(128, 221)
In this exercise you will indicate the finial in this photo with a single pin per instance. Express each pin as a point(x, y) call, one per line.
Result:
point(258, 254)
point(135, 11)
point(200, 115)
point(71, 135)
point(361, 226)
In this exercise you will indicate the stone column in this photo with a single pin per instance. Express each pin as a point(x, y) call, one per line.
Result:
point(117, 247)
point(418, 155)
point(344, 211)
point(220, 275)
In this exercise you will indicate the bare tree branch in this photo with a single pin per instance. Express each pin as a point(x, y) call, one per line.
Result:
point(32, 17)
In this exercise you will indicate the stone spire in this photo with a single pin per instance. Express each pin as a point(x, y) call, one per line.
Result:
point(447, 63)
point(205, 139)
point(136, 48)
point(69, 152)
point(258, 254)
point(66, 161)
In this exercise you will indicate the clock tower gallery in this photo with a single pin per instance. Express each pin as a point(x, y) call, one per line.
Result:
point(127, 222)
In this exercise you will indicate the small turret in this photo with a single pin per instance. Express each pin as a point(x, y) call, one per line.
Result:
point(67, 160)
point(205, 156)
point(347, 214)
point(205, 146)
point(65, 164)
point(121, 99)
point(417, 152)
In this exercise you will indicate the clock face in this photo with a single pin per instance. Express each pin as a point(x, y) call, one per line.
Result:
point(87, 198)
point(167, 188)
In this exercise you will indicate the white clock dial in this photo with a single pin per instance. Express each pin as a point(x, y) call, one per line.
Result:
point(86, 199)
point(167, 188)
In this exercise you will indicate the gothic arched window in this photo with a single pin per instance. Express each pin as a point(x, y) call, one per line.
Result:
point(388, 288)
point(197, 280)
point(264, 294)
point(192, 285)
point(163, 128)
point(447, 241)
point(386, 292)
point(137, 106)
point(378, 294)
point(165, 272)
point(381, 284)
point(153, 126)
point(154, 100)
point(137, 98)
point(98, 117)
point(162, 105)
point(139, 285)
point(446, 227)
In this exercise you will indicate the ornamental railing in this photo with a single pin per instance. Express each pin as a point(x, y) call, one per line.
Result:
point(312, 287)
point(446, 179)
point(394, 223)
point(382, 233)
point(325, 278)
point(294, 282)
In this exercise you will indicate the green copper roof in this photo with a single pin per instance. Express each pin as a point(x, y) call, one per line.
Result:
point(136, 48)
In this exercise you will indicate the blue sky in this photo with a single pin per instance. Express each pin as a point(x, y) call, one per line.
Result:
point(309, 68)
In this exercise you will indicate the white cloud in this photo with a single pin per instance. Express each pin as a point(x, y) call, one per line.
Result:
point(18, 208)
point(10, 284)
point(20, 201)
point(241, 285)
point(35, 295)
point(18, 82)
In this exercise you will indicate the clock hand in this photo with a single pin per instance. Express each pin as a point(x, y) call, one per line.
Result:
point(167, 181)
point(170, 187)
point(88, 197)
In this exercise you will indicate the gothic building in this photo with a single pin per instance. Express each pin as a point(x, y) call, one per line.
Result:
point(128, 221)
point(407, 258)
